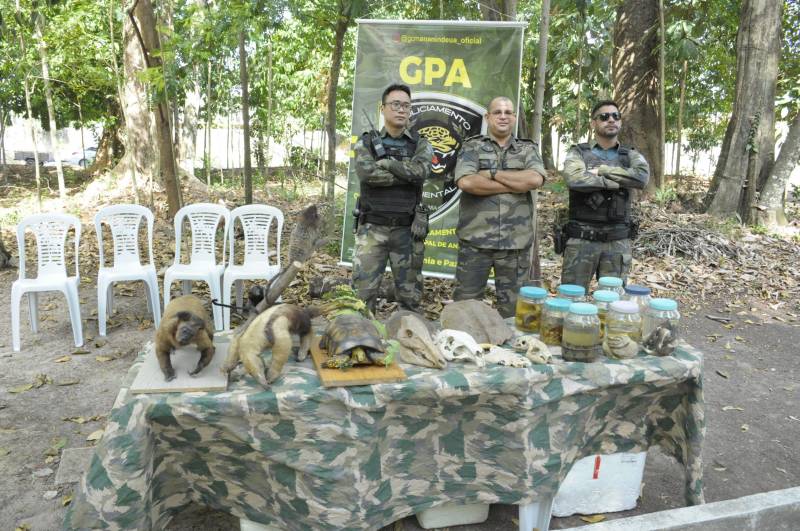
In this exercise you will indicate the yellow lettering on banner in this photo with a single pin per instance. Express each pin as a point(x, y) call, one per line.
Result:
point(435, 68)
point(458, 74)
point(405, 73)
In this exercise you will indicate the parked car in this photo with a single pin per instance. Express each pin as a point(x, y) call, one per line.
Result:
point(28, 157)
point(77, 158)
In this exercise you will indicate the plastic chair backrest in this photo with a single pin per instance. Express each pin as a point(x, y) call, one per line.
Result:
point(204, 219)
point(124, 221)
point(50, 231)
point(256, 221)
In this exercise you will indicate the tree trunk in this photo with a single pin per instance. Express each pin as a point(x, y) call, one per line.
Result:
point(143, 20)
point(333, 83)
point(579, 96)
point(679, 146)
point(635, 80)
point(36, 167)
point(187, 146)
point(498, 10)
point(758, 48)
point(207, 146)
point(3, 115)
point(269, 109)
point(244, 81)
point(662, 103)
point(770, 205)
point(5, 256)
point(51, 113)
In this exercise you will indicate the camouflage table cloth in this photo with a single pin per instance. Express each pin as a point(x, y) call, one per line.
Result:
point(299, 456)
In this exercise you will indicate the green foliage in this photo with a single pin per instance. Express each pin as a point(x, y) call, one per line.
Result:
point(665, 195)
point(759, 229)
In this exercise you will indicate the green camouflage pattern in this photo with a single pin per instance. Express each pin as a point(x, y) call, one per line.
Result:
point(350, 330)
point(377, 244)
point(610, 175)
point(474, 265)
point(585, 259)
point(300, 456)
point(388, 172)
point(500, 221)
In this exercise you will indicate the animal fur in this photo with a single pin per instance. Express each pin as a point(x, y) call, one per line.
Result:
point(305, 235)
point(185, 322)
point(272, 328)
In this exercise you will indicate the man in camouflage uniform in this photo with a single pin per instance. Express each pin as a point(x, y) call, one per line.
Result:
point(600, 177)
point(495, 174)
point(391, 189)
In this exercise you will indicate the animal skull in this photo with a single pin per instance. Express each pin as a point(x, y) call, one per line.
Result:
point(417, 346)
point(533, 349)
point(507, 357)
point(456, 345)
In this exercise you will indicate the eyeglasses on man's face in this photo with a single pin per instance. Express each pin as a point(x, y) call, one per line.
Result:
point(399, 105)
point(499, 112)
point(604, 116)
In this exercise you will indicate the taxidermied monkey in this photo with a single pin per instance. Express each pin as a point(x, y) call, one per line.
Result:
point(272, 328)
point(185, 322)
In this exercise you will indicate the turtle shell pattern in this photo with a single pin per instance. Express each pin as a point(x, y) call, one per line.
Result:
point(348, 331)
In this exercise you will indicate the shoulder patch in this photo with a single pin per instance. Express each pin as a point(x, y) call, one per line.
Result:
point(476, 137)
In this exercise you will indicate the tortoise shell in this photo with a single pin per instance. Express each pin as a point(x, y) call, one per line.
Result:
point(348, 331)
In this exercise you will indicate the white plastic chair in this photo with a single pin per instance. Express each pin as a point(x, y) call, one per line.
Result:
point(124, 222)
point(256, 221)
point(50, 231)
point(204, 221)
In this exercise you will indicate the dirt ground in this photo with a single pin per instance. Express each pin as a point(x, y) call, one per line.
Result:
point(751, 393)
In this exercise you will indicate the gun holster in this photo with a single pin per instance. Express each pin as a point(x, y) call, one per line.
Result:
point(559, 238)
point(356, 215)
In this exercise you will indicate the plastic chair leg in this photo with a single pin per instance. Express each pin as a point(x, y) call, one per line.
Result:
point(102, 308)
point(33, 310)
point(187, 287)
point(167, 290)
point(226, 299)
point(216, 293)
point(110, 298)
point(151, 286)
point(535, 515)
point(239, 293)
point(16, 301)
point(71, 292)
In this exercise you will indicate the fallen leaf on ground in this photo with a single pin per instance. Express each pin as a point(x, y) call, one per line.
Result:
point(23, 527)
point(732, 408)
point(794, 418)
point(103, 358)
point(41, 379)
point(719, 467)
point(67, 382)
point(721, 373)
point(66, 500)
point(76, 420)
point(4, 451)
point(745, 427)
point(63, 359)
point(593, 518)
point(100, 343)
point(21, 388)
point(95, 435)
point(80, 352)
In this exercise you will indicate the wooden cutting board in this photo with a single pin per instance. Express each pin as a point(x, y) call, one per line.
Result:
point(358, 375)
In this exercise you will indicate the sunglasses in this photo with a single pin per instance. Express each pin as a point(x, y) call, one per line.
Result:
point(604, 116)
point(398, 105)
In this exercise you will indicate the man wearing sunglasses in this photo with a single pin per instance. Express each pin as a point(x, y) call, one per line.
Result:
point(600, 176)
point(392, 166)
point(495, 172)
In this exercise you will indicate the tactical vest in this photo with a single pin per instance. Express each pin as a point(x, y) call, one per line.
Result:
point(602, 206)
point(391, 205)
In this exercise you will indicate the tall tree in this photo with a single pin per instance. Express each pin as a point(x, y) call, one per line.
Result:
point(245, 83)
point(498, 10)
point(635, 78)
point(770, 204)
point(749, 143)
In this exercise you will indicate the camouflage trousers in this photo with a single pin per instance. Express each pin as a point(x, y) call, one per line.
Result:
point(510, 269)
point(585, 259)
point(375, 244)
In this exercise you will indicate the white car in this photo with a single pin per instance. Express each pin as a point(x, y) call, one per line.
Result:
point(77, 158)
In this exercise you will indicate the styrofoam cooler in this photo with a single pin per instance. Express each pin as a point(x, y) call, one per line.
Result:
point(453, 514)
point(601, 484)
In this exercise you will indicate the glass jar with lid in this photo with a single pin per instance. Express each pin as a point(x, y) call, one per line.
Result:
point(624, 319)
point(572, 292)
point(638, 294)
point(553, 321)
point(529, 308)
point(611, 284)
point(581, 337)
point(602, 299)
point(661, 312)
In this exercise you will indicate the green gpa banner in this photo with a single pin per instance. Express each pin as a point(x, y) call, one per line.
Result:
point(454, 69)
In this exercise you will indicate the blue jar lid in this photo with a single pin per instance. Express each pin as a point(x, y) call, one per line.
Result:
point(610, 282)
point(533, 292)
point(624, 307)
point(583, 308)
point(572, 290)
point(664, 305)
point(604, 295)
point(561, 305)
point(633, 289)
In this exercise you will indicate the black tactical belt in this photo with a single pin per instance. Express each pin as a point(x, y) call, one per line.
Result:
point(597, 235)
point(391, 221)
